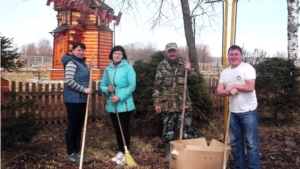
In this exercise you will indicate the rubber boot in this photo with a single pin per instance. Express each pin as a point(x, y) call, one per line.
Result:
point(167, 152)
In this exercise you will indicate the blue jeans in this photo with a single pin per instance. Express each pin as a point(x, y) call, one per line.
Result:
point(245, 125)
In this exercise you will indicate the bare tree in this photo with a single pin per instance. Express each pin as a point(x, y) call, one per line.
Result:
point(139, 50)
point(29, 49)
point(292, 28)
point(41, 48)
point(44, 47)
point(165, 12)
point(203, 53)
point(280, 54)
point(254, 57)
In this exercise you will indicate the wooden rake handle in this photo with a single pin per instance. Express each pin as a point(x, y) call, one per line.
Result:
point(116, 111)
point(184, 97)
point(86, 115)
point(225, 141)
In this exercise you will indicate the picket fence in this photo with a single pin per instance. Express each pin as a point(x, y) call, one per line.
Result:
point(49, 106)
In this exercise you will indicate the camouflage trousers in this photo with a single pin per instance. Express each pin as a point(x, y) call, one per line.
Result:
point(172, 120)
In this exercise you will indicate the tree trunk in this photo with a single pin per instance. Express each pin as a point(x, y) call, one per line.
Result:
point(188, 30)
point(292, 28)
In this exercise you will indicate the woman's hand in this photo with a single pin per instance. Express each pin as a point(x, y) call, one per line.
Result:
point(115, 99)
point(92, 64)
point(88, 90)
point(110, 89)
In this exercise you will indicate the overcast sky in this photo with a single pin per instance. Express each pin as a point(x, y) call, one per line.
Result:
point(261, 24)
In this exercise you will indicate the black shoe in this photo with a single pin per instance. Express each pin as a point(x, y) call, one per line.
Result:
point(73, 158)
point(84, 160)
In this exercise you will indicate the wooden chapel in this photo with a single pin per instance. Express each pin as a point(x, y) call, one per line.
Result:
point(86, 21)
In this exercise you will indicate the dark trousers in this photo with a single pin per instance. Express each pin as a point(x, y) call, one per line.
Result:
point(125, 120)
point(76, 114)
point(172, 120)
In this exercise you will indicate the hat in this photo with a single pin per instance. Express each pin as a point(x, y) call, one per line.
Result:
point(171, 45)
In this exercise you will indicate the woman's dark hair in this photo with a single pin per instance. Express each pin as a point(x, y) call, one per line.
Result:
point(117, 48)
point(76, 44)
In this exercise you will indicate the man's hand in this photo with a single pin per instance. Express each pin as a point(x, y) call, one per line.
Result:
point(157, 109)
point(228, 88)
point(187, 66)
point(233, 91)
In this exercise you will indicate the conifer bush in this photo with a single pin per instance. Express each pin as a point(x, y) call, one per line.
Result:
point(145, 119)
point(17, 129)
point(277, 87)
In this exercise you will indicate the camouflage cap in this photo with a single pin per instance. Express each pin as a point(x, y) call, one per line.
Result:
point(171, 45)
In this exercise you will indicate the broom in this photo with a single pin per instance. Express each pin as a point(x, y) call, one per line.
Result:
point(129, 160)
point(86, 116)
point(184, 97)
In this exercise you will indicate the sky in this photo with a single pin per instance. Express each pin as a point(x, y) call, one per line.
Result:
point(261, 24)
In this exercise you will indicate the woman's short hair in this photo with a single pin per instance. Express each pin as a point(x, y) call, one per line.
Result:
point(117, 48)
point(76, 44)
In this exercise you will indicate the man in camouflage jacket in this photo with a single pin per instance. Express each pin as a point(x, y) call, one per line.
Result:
point(168, 95)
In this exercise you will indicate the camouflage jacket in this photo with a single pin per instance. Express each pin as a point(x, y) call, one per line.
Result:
point(169, 87)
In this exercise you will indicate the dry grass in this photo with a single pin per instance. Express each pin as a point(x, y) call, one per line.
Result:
point(24, 76)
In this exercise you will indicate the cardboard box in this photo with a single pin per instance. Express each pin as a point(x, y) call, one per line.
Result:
point(197, 154)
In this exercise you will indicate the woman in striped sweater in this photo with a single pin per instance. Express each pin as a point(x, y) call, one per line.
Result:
point(75, 97)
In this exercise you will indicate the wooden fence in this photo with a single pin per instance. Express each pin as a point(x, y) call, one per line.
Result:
point(211, 88)
point(49, 105)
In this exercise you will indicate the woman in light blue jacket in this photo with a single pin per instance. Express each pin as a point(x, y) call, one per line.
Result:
point(118, 83)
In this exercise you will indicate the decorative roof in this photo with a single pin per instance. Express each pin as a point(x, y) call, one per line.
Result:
point(101, 4)
point(61, 4)
point(61, 29)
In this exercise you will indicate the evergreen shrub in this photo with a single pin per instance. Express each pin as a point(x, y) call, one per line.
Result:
point(145, 119)
point(17, 129)
point(277, 87)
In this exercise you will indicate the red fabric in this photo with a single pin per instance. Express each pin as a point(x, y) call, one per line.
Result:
point(116, 65)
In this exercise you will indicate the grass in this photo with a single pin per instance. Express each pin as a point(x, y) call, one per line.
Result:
point(24, 76)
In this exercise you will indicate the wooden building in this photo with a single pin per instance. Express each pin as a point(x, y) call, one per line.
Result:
point(86, 21)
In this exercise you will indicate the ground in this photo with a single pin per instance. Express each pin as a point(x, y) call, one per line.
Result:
point(279, 147)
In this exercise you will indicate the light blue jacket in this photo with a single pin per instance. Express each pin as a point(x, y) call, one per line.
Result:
point(123, 78)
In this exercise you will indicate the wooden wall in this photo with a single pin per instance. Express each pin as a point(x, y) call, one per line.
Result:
point(60, 48)
point(98, 42)
point(89, 20)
